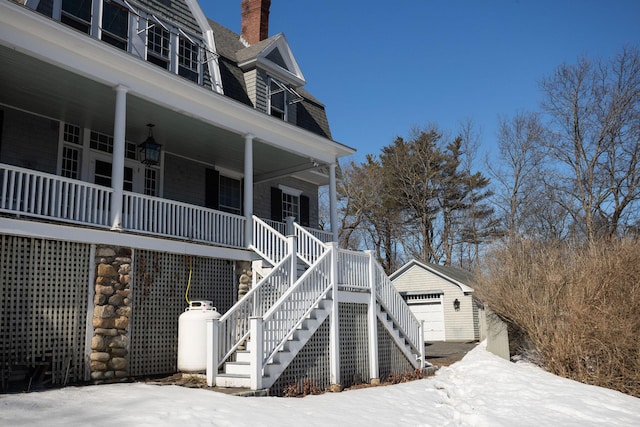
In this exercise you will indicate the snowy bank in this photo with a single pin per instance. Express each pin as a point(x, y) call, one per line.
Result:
point(480, 390)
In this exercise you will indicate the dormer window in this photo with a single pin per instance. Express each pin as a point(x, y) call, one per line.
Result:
point(158, 46)
point(115, 24)
point(77, 14)
point(188, 59)
point(280, 97)
point(277, 99)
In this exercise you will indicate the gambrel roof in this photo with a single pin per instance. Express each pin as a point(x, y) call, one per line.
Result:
point(274, 55)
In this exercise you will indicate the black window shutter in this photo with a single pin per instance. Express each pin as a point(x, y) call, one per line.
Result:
point(212, 189)
point(276, 204)
point(304, 211)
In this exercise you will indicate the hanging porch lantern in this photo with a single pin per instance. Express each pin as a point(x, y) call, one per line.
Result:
point(150, 149)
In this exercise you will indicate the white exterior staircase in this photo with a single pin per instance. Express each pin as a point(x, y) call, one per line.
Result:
point(255, 341)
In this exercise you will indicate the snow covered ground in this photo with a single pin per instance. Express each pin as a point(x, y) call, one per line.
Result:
point(480, 390)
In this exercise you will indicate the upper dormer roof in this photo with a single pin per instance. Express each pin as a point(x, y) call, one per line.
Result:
point(273, 55)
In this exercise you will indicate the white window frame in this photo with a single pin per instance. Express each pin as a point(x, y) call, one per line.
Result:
point(293, 193)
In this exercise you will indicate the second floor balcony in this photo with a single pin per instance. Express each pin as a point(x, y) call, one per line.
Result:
point(33, 195)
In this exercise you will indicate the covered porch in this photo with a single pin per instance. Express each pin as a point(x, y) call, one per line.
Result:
point(98, 101)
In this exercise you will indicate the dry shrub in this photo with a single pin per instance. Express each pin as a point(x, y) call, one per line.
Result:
point(403, 377)
point(296, 390)
point(577, 306)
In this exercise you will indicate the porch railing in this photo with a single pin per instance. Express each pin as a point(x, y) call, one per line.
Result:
point(41, 195)
point(170, 218)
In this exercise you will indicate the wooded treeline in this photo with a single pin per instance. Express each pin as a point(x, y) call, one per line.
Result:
point(568, 171)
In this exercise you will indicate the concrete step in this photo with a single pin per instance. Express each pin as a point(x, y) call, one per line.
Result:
point(237, 368)
point(236, 381)
point(243, 356)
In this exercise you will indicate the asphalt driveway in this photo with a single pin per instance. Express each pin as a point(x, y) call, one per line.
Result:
point(444, 353)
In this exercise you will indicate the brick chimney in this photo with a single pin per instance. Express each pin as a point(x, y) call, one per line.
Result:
point(255, 20)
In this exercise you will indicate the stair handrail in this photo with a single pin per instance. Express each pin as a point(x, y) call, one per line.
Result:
point(234, 324)
point(268, 242)
point(289, 312)
point(396, 307)
point(310, 248)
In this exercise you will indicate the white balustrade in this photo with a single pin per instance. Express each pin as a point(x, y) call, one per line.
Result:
point(38, 194)
point(310, 248)
point(234, 325)
point(353, 269)
point(268, 242)
point(175, 219)
point(291, 309)
point(397, 308)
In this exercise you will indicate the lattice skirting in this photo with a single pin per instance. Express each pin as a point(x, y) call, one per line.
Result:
point(390, 358)
point(158, 290)
point(43, 309)
point(311, 364)
point(354, 344)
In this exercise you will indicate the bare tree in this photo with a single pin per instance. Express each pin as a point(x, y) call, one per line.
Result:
point(594, 107)
point(518, 186)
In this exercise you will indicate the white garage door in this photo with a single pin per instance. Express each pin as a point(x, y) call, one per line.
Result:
point(433, 315)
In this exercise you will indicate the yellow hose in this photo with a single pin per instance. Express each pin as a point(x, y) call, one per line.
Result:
point(186, 293)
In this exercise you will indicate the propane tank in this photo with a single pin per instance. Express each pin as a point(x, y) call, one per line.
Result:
point(192, 336)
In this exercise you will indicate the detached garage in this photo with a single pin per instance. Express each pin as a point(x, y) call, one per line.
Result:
point(441, 297)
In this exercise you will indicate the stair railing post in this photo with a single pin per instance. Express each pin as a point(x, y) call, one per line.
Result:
point(293, 250)
point(423, 354)
point(374, 366)
point(334, 333)
point(256, 350)
point(213, 326)
point(289, 227)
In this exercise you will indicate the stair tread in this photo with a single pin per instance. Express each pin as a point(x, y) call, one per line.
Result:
point(224, 374)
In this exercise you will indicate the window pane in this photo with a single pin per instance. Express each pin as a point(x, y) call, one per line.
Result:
point(127, 185)
point(78, 8)
point(188, 59)
point(150, 182)
point(100, 141)
point(230, 196)
point(70, 162)
point(77, 14)
point(290, 206)
point(72, 134)
point(115, 25)
point(103, 173)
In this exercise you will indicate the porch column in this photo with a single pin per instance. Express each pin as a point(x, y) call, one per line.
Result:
point(117, 165)
point(333, 201)
point(248, 189)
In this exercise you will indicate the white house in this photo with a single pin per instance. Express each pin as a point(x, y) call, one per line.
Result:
point(147, 156)
point(441, 297)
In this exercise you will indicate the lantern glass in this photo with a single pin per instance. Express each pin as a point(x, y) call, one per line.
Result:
point(150, 149)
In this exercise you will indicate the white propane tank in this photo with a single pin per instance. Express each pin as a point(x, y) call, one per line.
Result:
point(192, 336)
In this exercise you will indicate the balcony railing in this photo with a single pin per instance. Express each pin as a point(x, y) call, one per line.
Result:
point(30, 193)
point(40, 195)
point(164, 217)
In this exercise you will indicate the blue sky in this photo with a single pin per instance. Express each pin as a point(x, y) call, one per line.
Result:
point(382, 68)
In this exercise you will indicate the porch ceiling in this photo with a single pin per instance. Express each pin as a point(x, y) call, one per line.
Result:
point(39, 87)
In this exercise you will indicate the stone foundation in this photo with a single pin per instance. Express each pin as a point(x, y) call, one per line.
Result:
point(112, 309)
